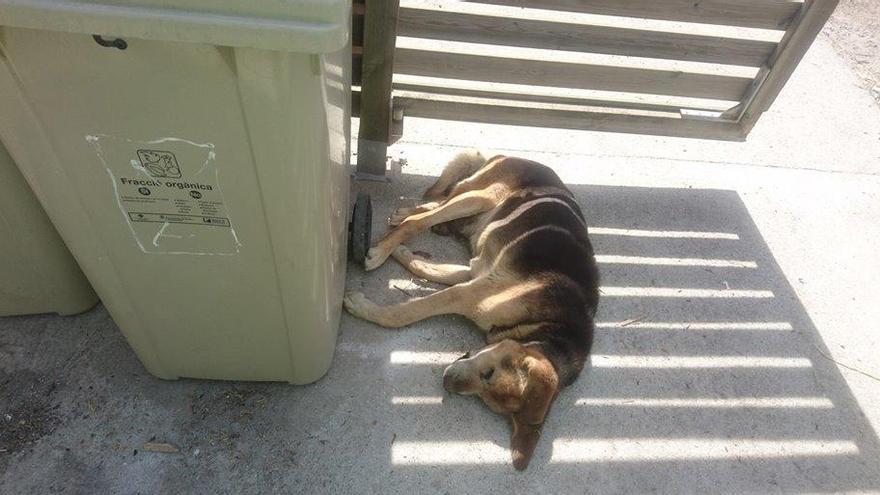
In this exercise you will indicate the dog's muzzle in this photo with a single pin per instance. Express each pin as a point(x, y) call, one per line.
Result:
point(448, 381)
point(451, 378)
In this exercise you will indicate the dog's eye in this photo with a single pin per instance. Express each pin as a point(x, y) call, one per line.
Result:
point(486, 375)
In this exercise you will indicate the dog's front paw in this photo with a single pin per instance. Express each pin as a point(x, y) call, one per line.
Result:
point(375, 257)
point(399, 216)
point(356, 303)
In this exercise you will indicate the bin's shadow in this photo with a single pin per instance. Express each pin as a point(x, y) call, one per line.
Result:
point(707, 374)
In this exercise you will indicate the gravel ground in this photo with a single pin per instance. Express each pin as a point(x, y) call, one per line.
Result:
point(854, 31)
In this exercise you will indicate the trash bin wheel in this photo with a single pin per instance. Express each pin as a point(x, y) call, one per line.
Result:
point(359, 229)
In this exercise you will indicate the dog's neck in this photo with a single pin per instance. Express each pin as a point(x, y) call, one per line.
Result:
point(566, 351)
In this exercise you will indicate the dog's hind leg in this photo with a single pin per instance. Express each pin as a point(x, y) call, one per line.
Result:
point(463, 174)
point(458, 299)
point(464, 205)
point(462, 166)
point(441, 273)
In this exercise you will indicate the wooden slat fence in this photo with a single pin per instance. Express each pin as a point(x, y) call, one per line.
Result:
point(708, 74)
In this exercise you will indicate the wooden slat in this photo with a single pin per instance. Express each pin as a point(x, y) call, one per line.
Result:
point(766, 14)
point(568, 75)
point(357, 43)
point(442, 25)
point(357, 63)
point(355, 104)
point(563, 119)
point(565, 100)
point(357, 30)
point(791, 50)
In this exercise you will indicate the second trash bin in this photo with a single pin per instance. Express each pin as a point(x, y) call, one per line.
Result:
point(37, 272)
point(193, 155)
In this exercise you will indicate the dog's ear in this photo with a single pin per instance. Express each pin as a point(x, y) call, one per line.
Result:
point(523, 442)
point(542, 387)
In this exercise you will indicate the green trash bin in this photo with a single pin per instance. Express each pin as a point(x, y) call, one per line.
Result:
point(194, 157)
point(37, 272)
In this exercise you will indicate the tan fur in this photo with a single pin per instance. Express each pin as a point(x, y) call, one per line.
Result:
point(512, 378)
point(400, 214)
point(441, 273)
point(463, 205)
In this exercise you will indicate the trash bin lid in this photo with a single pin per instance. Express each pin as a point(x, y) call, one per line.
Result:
point(308, 26)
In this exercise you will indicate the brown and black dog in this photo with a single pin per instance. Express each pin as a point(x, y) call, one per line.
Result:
point(532, 285)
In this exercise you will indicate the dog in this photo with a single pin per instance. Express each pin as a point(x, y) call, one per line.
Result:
point(532, 285)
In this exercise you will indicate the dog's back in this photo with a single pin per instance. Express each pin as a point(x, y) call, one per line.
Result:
point(537, 235)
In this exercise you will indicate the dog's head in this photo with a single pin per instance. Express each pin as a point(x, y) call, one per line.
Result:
point(514, 380)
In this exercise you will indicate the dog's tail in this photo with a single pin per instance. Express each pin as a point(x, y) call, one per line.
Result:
point(461, 167)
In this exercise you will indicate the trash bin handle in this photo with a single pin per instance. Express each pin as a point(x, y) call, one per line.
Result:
point(115, 43)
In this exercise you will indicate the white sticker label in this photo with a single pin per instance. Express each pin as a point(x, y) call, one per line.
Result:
point(168, 192)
